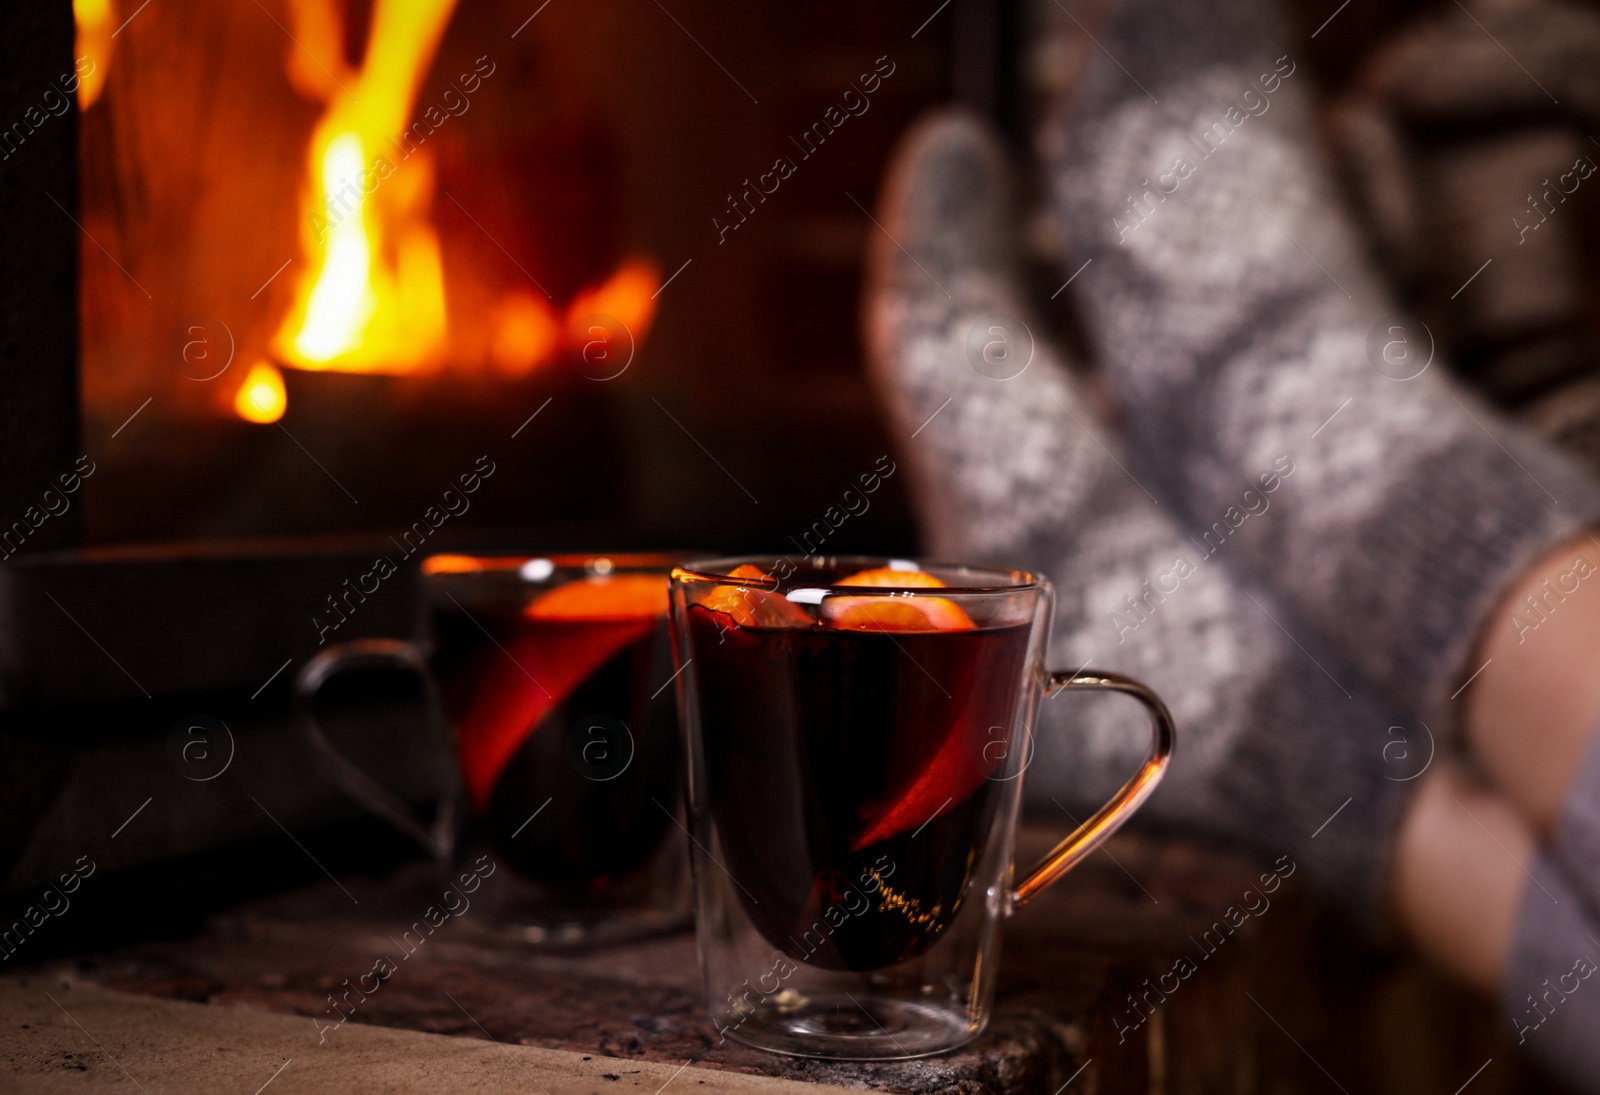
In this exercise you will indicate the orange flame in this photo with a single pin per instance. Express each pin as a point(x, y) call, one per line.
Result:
point(373, 299)
point(627, 295)
point(93, 18)
point(370, 296)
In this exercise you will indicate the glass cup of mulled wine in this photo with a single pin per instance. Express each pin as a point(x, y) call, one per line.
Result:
point(855, 733)
point(554, 676)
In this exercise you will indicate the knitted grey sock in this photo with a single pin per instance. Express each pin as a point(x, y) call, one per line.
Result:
point(1550, 993)
point(1008, 464)
point(1238, 321)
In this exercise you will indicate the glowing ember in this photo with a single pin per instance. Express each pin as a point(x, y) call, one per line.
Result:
point(261, 397)
point(526, 333)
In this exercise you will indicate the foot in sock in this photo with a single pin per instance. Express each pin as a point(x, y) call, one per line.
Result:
point(1549, 992)
point(1577, 837)
point(1474, 890)
point(1233, 310)
point(1008, 464)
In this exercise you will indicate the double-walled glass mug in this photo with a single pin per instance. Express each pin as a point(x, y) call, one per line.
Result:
point(554, 673)
point(856, 730)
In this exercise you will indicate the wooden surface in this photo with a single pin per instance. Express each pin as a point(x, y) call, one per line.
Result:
point(84, 1039)
point(1281, 1004)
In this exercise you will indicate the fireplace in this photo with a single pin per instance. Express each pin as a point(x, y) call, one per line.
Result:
point(333, 251)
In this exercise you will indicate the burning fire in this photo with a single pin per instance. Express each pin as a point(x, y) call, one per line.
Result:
point(628, 295)
point(371, 294)
point(93, 19)
point(373, 300)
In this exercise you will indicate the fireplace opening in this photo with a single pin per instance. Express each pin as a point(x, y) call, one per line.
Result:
point(334, 251)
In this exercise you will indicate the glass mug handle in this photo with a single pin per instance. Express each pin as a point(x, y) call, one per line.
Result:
point(1109, 818)
point(438, 836)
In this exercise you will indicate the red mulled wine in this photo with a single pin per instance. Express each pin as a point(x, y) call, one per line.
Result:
point(568, 745)
point(849, 774)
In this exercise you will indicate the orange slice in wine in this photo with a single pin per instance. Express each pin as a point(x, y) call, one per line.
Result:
point(570, 632)
point(603, 597)
point(755, 607)
point(896, 613)
point(469, 564)
point(531, 675)
point(968, 755)
point(890, 578)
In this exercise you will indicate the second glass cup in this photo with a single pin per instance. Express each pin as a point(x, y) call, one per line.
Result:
point(555, 676)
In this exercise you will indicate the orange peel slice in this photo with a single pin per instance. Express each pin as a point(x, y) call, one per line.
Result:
point(513, 695)
point(469, 564)
point(890, 578)
point(755, 607)
point(603, 597)
point(896, 613)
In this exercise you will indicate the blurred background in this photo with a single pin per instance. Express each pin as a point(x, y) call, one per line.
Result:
point(612, 250)
point(567, 171)
point(615, 252)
